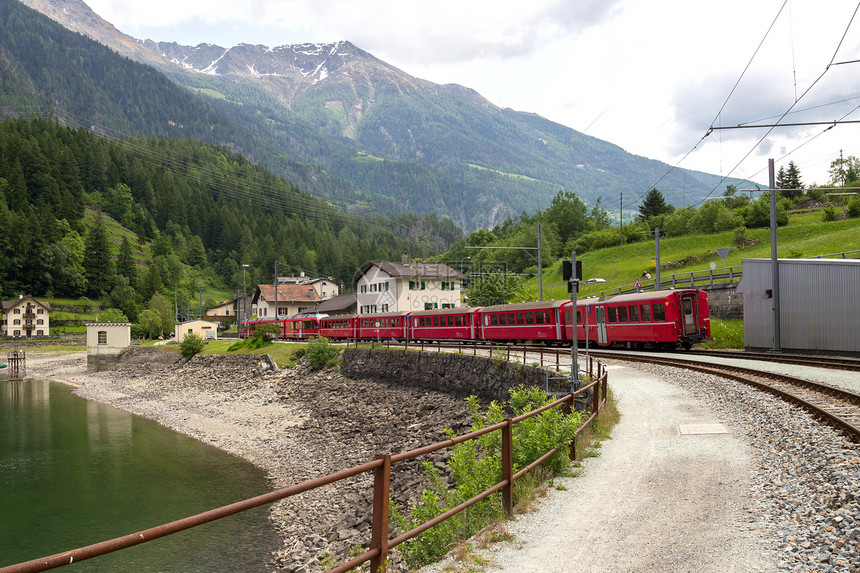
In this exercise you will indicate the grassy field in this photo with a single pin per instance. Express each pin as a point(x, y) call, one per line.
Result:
point(805, 236)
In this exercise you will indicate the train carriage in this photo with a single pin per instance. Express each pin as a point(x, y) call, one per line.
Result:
point(379, 326)
point(301, 326)
point(341, 327)
point(664, 319)
point(538, 321)
point(247, 328)
point(444, 324)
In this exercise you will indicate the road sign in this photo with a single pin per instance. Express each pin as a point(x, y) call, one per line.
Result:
point(637, 284)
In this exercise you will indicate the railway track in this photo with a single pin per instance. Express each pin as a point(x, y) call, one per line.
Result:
point(837, 406)
point(832, 362)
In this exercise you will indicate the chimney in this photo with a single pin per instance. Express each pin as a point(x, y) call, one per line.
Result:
point(404, 258)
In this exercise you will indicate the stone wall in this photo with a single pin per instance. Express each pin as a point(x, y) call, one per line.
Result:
point(458, 375)
point(724, 301)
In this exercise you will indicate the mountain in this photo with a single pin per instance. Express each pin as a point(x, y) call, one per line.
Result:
point(382, 139)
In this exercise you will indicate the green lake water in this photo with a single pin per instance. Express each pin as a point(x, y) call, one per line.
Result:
point(74, 472)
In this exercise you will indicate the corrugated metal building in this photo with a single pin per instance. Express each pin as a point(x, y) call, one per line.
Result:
point(819, 304)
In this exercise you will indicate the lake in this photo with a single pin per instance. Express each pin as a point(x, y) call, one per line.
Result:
point(74, 472)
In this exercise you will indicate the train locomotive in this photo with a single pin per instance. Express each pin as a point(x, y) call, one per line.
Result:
point(663, 319)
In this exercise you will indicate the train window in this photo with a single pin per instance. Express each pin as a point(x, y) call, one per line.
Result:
point(659, 311)
point(611, 314)
point(450, 321)
point(622, 314)
point(540, 317)
point(435, 321)
point(420, 321)
point(510, 319)
point(458, 320)
point(634, 313)
point(503, 319)
point(578, 316)
point(568, 314)
point(520, 318)
point(494, 319)
point(646, 312)
point(530, 318)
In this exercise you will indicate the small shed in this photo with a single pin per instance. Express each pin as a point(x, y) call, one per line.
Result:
point(819, 304)
point(106, 341)
point(205, 329)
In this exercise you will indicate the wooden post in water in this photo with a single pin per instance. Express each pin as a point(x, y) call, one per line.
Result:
point(17, 361)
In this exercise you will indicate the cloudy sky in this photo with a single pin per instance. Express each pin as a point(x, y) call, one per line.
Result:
point(648, 75)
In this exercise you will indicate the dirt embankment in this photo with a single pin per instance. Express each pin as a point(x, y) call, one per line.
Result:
point(296, 424)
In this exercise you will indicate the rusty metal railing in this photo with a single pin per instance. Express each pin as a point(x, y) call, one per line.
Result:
point(380, 544)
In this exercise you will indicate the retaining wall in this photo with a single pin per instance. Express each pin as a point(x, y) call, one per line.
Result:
point(724, 301)
point(460, 375)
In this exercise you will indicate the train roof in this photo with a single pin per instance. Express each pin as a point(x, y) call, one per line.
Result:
point(635, 297)
point(446, 311)
point(537, 305)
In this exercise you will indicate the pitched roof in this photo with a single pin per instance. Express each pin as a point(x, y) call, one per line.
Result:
point(287, 293)
point(413, 270)
point(7, 304)
point(340, 302)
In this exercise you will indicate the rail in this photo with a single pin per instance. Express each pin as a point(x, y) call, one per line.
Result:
point(380, 544)
point(708, 277)
point(730, 275)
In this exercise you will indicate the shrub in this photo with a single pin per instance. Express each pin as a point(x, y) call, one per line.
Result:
point(854, 208)
point(830, 214)
point(191, 344)
point(321, 353)
point(476, 465)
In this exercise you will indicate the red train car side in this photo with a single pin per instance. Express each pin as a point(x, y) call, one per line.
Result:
point(460, 323)
point(382, 326)
point(665, 319)
point(339, 327)
point(539, 321)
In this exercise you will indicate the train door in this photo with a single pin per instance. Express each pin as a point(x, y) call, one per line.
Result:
point(600, 324)
point(688, 309)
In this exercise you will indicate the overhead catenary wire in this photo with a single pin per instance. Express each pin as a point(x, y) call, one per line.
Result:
point(797, 100)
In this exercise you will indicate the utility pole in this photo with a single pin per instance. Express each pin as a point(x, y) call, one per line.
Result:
point(621, 218)
point(244, 296)
point(774, 262)
point(540, 265)
point(657, 284)
point(276, 292)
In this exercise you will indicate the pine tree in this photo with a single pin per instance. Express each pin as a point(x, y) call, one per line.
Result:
point(97, 260)
point(125, 265)
point(653, 205)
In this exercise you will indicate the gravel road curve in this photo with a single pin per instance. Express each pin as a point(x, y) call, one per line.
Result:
point(654, 500)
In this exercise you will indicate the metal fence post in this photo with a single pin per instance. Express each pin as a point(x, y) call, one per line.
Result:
point(379, 533)
point(508, 466)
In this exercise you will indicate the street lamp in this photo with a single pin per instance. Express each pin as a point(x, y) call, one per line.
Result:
point(461, 262)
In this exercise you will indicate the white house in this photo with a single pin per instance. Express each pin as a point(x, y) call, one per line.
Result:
point(25, 317)
point(326, 287)
point(383, 286)
point(291, 300)
point(203, 328)
point(106, 341)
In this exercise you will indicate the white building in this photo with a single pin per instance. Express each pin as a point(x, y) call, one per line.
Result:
point(25, 317)
point(203, 328)
point(383, 286)
point(291, 300)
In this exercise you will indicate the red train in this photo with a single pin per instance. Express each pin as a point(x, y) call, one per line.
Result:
point(663, 319)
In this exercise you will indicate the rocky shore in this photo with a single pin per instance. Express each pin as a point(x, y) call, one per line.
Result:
point(296, 424)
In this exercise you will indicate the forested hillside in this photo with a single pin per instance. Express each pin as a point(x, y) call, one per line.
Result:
point(203, 207)
point(338, 122)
